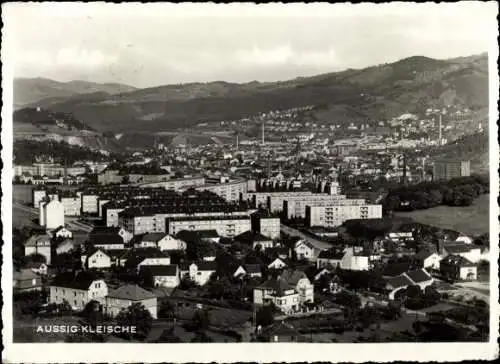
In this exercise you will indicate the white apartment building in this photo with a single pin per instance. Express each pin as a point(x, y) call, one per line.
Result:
point(90, 203)
point(51, 214)
point(72, 206)
point(335, 215)
point(111, 214)
point(177, 184)
point(38, 196)
point(230, 191)
point(295, 206)
point(226, 226)
point(267, 225)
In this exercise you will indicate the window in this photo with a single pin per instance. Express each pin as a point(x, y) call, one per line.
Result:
point(74, 294)
point(199, 273)
point(75, 302)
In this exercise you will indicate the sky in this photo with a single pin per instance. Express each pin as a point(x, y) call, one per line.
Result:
point(155, 44)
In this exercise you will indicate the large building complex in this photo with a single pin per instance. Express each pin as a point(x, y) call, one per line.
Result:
point(335, 215)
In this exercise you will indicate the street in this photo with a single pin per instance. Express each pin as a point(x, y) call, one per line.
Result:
point(294, 232)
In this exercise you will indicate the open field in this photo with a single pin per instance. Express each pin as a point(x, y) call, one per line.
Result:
point(473, 220)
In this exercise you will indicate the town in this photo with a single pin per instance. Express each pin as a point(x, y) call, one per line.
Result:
point(293, 240)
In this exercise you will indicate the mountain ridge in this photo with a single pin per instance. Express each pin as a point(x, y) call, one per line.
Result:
point(373, 93)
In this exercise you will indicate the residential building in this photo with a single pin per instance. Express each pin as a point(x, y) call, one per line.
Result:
point(468, 251)
point(416, 277)
point(255, 240)
point(97, 258)
point(448, 169)
point(428, 260)
point(266, 224)
point(305, 249)
point(51, 214)
point(230, 191)
point(72, 205)
point(336, 215)
point(109, 237)
point(277, 263)
point(25, 280)
point(199, 272)
point(163, 275)
point(248, 270)
point(127, 295)
point(288, 292)
point(458, 268)
point(38, 195)
point(331, 258)
point(355, 261)
point(90, 203)
point(39, 244)
point(77, 289)
point(62, 232)
point(227, 226)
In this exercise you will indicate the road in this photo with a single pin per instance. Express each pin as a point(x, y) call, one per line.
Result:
point(294, 232)
point(71, 222)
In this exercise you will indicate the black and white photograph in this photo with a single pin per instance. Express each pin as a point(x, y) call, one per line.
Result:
point(254, 175)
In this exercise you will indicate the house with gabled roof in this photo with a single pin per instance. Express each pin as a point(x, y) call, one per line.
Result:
point(329, 258)
point(127, 295)
point(199, 272)
point(77, 288)
point(457, 268)
point(415, 277)
point(288, 291)
point(96, 258)
point(39, 244)
point(248, 270)
point(163, 275)
point(427, 259)
point(255, 239)
point(25, 280)
point(468, 251)
point(62, 232)
point(305, 249)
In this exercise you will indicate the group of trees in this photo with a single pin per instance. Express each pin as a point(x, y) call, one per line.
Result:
point(415, 299)
point(25, 151)
point(456, 192)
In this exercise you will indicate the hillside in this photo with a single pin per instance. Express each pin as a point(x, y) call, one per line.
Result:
point(44, 119)
point(371, 94)
point(31, 90)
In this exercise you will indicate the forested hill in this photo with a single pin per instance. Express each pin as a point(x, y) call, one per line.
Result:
point(371, 94)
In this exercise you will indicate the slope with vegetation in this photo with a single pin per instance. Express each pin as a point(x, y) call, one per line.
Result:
point(374, 93)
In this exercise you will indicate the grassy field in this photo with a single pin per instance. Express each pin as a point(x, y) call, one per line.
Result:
point(473, 220)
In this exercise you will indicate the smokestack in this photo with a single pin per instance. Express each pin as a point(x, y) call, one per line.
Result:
point(263, 136)
point(237, 142)
point(440, 129)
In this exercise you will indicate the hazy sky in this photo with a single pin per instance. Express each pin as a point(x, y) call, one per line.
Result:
point(148, 45)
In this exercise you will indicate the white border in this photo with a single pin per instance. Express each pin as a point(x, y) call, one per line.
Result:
point(72, 353)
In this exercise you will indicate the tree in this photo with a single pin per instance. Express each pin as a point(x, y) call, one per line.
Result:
point(146, 278)
point(186, 284)
point(136, 315)
point(200, 249)
point(34, 258)
point(265, 315)
point(167, 309)
point(201, 319)
point(92, 313)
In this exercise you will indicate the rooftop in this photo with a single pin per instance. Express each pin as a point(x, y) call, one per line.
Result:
point(131, 292)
